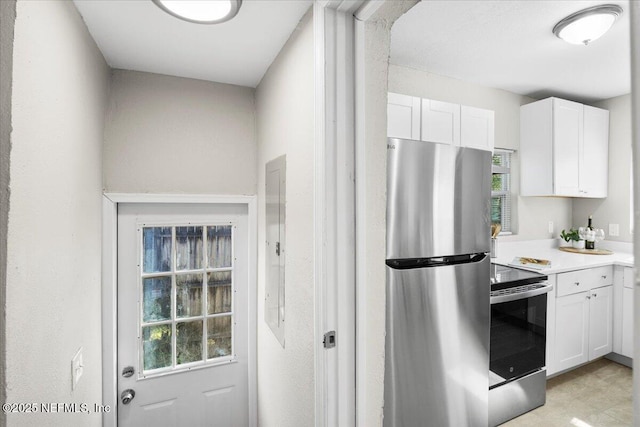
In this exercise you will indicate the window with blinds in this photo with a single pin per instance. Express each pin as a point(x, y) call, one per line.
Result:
point(501, 189)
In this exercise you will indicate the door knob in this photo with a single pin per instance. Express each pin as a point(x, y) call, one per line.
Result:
point(127, 396)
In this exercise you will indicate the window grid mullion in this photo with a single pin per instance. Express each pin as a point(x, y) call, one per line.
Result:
point(205, 292)
point(233, 291)
point(174, 296)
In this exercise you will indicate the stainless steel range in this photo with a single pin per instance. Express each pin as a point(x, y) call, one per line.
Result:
point(517, 377)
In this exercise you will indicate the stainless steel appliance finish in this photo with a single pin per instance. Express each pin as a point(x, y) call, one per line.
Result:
point(437, 358)
point(517, 377)
point(517, 397)
point(438, 199)
point(520, 292)
point(438, 312)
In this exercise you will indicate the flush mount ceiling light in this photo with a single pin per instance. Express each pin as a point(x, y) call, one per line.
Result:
point(587, 25)
point(201, 11)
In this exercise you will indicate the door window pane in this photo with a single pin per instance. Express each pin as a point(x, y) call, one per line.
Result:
point(188, 248)
point(219, 292)
point(219, 336)
point(156, 345)
point(219, 246)
point(188, 295)
point(187, 285)
point(157, 249)
point(188, 342)
point(156, 297)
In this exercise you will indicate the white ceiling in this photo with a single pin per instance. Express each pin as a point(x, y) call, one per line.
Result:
point(137, 35)
point(509, 45)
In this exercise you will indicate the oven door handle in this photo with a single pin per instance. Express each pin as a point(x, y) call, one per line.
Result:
point(521, 295)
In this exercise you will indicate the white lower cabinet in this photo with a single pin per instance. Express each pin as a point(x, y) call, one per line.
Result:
point(627, 322)
point(581, 328)
point(572, 326)
point(600, 322)
point(627, 313)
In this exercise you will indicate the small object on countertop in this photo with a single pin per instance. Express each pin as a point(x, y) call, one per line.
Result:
point(531, 262)
point(495, 230)
point(585, 251)
point(590, 240)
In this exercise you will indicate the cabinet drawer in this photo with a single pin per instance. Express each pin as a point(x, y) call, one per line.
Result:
point(603, 276)
point(573, 282)
point(584, 280)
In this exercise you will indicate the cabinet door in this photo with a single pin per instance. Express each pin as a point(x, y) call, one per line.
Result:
point(627, 322)
point(595, 153)
point(567, 146)
point(440, 122)
point(572, 322)
point(627, 280)
point(476, 128)
point(536, 148)
point(600, 322)
point(551, 327)
point(403, 116)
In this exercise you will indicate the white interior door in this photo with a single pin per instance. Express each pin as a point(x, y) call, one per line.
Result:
point(183, 315)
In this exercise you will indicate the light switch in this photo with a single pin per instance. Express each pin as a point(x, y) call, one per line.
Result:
point(550, 227)
point(76, 368)
point(614, 229)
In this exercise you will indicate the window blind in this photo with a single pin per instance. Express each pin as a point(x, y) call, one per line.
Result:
point(501, 189)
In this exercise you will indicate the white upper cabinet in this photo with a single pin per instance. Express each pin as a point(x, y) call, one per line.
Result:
point(440, 122)
point(595, 154)
point(564, 149)
point(403, 116)
point(411, 117)
point(567, 140)
point(477, 128)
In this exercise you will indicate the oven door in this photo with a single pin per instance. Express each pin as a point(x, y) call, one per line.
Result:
point(518, 338)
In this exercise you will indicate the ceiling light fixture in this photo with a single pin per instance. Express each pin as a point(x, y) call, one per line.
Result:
point(587, 25)
point(201, 11)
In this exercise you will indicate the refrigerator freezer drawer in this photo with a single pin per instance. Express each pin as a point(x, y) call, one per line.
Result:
point(437, 346)
point(438, 199)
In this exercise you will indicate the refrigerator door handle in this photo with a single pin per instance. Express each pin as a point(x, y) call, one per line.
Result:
point(409, 263)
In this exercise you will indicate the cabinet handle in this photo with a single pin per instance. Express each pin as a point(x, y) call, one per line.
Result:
point(588, 297)
point(595, 295)
point(577, 283)
point(604, 277)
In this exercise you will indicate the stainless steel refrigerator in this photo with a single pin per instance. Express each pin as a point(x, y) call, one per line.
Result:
point(438, 266)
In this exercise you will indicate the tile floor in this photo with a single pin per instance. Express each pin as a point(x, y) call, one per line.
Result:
point(595, 395)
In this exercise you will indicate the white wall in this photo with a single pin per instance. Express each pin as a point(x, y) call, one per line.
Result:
point(616, 208)
point(531, 215)
point(7, 23)
point(176, 135)
point(60, 88)
point(635, 120)
point(373, 41)
point(285, 125)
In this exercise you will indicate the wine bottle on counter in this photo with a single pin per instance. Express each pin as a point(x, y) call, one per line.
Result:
point(590, 241)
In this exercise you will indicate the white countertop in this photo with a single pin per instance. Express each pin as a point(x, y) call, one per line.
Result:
point(562, 261)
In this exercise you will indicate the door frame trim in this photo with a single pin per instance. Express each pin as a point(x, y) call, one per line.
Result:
point(110, 203)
